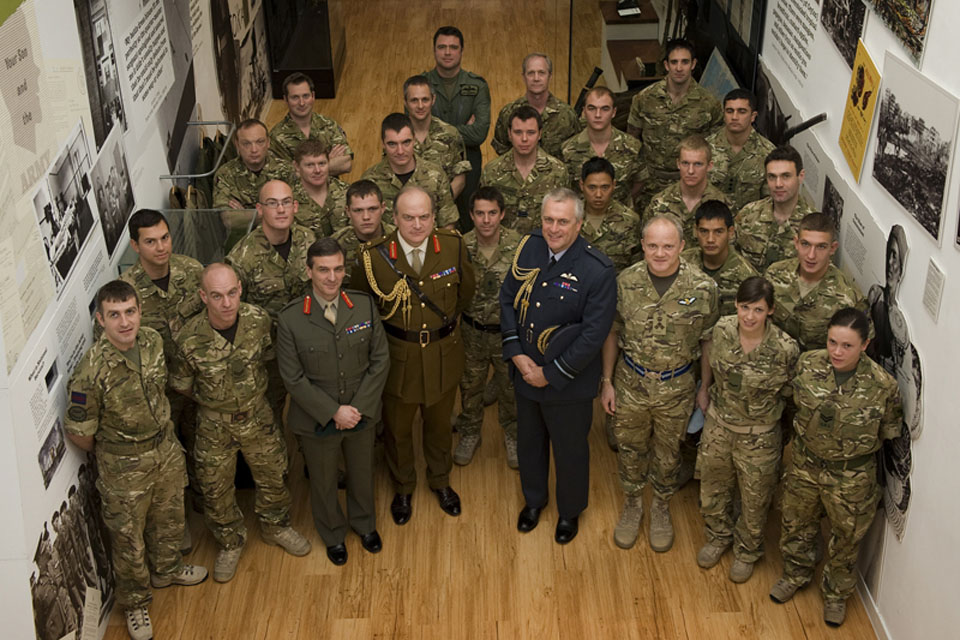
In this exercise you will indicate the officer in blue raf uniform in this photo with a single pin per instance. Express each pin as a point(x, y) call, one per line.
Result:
point(556, 307)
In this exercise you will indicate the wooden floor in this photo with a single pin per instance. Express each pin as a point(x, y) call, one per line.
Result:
point(475, 576)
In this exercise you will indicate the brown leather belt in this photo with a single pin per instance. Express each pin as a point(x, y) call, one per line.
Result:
point(422, 337)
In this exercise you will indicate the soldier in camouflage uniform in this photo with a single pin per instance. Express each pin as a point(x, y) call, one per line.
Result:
point(739, 151)
point(237, 182)
point(809, 289)
point(220, 365)
point(401, 166)
point(683, 198)
point(607, 224)
point(435, 140)
point(752, 363)
point(118, 410)
point(715, 256)
point(847, 405)
point(666, 309)
point(525, 173)
point(665, 113)
point(491, 248)
point(271, 263)
point(560, 121)
point(767, 228)
point(321, 200)
point(365, 212)
point(602, 139)
point(167, 285)
point(301, 123)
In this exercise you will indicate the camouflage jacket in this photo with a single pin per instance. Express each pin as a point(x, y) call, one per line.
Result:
point(234, 181)
point(428, 176)
point(286, 136)
point(840, 423)
point(225, 377)
point(351, 244)
point(750, 389)
point(269, 281)
point(113, 401)
point(623, 152)
point(805, 318)
point(523, 197)
point(444, 147)
point(167, 311)
point(663, 123)
point(485, 306)
point(618, 235)
point(670, 201)
point(735, 270)
point(560, 122)
point(472, 98)
point(742, 176)
point(323, 221)
point(663, 333)
point(761, 239)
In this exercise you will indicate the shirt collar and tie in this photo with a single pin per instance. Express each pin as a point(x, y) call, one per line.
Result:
point(329, 308)
point(415, 255)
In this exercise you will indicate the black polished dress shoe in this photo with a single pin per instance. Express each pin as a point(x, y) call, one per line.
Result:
point(449, 501)
point(337, 554)
point(371, 542)
point(400, 508)
point(529, 518)
point(566, 530)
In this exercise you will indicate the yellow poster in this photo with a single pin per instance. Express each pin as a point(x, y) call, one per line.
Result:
point(858, 114)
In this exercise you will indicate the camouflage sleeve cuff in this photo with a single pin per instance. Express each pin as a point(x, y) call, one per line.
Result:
point(461, 168)
point(79, 426)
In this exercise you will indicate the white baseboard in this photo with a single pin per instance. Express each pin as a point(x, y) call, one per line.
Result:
point(870, 605)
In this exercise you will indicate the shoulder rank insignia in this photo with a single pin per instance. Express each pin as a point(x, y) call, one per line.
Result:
point(436, 244)
point(687, 301)
point(445, 272)
point(346, 299)
point(306, 305)
point(358, 327)
point(393, 249)
point(570, 276)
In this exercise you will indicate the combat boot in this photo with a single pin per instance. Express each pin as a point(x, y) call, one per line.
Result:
point(466, 447)
point(138, 623)
point(661, 527)
point(288, 539)
point(834, 612)
point(628, 528)
point(189, 575)
point(710, 555)
point(225, 566)
point(510, 444)
point(740, 571)
point(783, 590)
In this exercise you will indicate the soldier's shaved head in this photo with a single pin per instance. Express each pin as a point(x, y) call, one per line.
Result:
point(213, 271)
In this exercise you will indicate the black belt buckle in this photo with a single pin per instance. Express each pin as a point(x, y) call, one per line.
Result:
point(239, 416)
point(424, 337)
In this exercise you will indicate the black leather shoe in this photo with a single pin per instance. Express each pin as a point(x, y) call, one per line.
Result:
point(337, 554)
point(371, 542)
point(529, 518)
point(449, 501)
point(566, 530)
point(401, 508)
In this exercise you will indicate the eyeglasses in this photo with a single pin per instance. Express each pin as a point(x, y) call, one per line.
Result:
point(276, 204)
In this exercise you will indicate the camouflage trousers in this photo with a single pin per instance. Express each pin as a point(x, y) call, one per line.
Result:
point(729, 461)
point(482, 350)
point(255, 434)
point(141, 499)
point(183, 412)
point(849, 499)
point(652, 419)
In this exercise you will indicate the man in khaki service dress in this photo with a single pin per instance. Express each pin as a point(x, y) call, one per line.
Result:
point(401, 166)
point(665, 113)
point(739, 151)
point(422, 280)
point(491, 247)
point(320, 198)
point(602, 139)
point(525, 173)
point(118, 410)
point(301, 123)
point(365, 212)
point(334, 361)
point(237, 182)
point(560, 121)
point(220, 365)
point(270, 262)
point(666, 309)
point(766, 228)
point(435, 140)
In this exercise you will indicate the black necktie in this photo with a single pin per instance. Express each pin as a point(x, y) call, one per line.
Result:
point(553, 262)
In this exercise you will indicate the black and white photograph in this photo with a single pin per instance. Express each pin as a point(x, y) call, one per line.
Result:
point(771, 122)
point(112, 191)
point(915, 140)
point(242, 59)
point(254, 69)
point(832, 202)
point(178, 105)
point(51, 453)
point(72, 554)
point(843, 21)
point(62, 209)
point(909, 21)
point(100, 68)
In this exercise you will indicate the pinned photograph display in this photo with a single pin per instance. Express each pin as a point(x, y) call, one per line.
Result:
point(843, 21)
point(909, 20)
point(112, 190)
point(916, 133)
